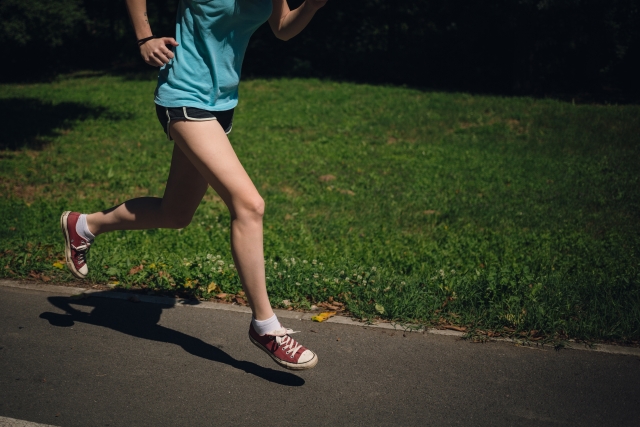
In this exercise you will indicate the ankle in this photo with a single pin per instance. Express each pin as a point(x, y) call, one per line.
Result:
point(265, 326)
point(92, 226)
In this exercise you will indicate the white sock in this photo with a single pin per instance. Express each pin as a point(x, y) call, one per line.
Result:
point(265, 326)
point(83, 230)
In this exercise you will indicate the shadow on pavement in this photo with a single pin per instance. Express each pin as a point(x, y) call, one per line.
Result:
point(140, 320)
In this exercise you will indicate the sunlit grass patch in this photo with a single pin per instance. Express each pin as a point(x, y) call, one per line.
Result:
point(411, 206)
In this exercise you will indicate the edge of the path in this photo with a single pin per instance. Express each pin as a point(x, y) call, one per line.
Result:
point(343, 320)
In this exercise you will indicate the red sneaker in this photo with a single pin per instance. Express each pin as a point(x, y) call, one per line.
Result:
point(75, 247)
point(283, 349)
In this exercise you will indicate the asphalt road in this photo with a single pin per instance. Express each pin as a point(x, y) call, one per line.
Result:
point(103, 362)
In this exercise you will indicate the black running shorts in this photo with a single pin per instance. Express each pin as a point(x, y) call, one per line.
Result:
point(167, 115)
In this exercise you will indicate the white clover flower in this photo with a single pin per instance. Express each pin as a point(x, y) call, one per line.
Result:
point(288, 275)
point(306, 278)
point(220, 262)
point(304, 261)
point(315, 276)
point(320, 264)
point(336, 280)
point(275, 265)
point(297, 283)
point(359, 277)
point(364, 282)
point(373, 268)
point(314, 262)
point(342, 272)
point(232, 266)
point(442, 273)
point(453, 271)
point(402, 283)
point(218, 256)
point(209, 256)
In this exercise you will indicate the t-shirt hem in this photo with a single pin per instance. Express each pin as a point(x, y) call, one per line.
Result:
point(224, 107)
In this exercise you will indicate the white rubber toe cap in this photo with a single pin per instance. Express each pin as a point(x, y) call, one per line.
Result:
point(306, 356)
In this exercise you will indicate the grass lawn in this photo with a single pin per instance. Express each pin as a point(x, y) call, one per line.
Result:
point(509, 214)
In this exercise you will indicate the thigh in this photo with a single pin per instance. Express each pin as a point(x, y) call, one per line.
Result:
point(185, 186)
point(207, 147)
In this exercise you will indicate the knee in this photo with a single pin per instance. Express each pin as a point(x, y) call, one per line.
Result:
point(252, 209)
point(179, 220)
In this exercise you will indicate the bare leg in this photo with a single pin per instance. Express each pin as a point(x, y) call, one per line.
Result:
point(209, 150)
point(184, 191)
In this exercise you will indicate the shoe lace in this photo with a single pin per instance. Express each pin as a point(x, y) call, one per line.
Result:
point(288, 344)
point(82, 250)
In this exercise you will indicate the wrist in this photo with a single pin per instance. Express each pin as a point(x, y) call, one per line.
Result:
point(146, 39)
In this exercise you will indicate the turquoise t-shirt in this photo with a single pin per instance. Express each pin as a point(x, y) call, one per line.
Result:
point(213, 37)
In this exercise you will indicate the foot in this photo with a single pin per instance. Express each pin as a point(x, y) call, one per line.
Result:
point(283, 349)
point(75, 247)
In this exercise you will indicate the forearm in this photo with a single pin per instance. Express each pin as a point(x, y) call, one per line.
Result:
point(292, 23)
point(153, 51)
point(139, 19)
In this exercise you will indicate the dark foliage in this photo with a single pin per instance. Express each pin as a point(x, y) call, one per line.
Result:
point(502, 46)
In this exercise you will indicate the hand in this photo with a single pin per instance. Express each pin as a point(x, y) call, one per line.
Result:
point(316, 4)
point(156, 53)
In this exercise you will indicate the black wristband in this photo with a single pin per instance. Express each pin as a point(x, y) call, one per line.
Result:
point(146, 39)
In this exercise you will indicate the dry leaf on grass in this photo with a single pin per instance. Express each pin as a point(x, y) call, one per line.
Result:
point(323, 316)
point(327, 178)
point(221, 295)
point(136, 269)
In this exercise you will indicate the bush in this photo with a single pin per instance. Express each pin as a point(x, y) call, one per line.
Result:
point(504, 46)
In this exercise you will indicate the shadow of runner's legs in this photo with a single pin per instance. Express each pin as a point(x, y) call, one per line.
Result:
point(140, 320)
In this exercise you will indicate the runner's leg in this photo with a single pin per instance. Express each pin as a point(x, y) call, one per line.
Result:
point(183, 193)
point(209, 150)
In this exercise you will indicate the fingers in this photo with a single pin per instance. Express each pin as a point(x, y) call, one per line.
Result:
point(169, 40)
point(155, 52)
